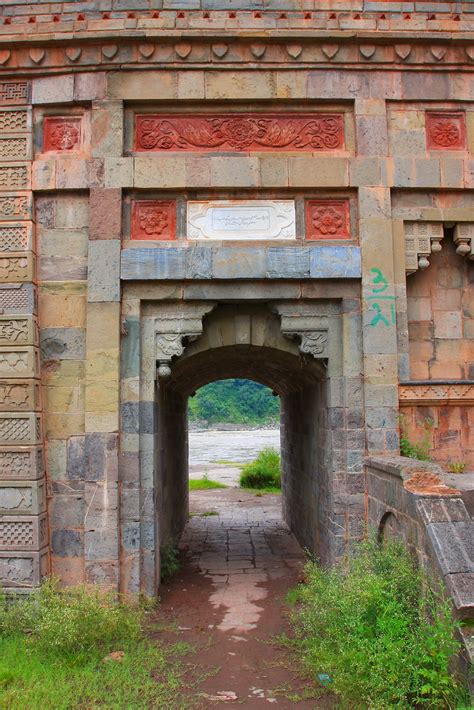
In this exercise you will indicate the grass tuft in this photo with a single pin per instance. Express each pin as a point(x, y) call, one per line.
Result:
point(204, 484)
point(263, 473)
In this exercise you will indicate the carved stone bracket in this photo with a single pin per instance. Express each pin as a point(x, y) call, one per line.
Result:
point(464, 239)
point(421, 240)
point(301, 322)
point(175, 327)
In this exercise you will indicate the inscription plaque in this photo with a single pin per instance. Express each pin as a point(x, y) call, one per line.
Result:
point(241, 219)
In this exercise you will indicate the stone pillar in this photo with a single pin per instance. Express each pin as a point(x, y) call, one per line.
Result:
point(24, 557)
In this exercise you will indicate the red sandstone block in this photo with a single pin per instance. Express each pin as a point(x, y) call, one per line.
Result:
point(327, 219)
point(105, 217)
point(445, 130)
point(154, 220)
point(62, 133)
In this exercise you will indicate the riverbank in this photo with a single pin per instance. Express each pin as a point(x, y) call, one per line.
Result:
point(238, 446)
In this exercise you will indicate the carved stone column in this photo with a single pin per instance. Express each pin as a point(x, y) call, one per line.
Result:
point(176, 326)
point(301, 322)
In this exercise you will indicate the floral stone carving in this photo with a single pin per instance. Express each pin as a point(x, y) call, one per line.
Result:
point(154, 220)
point(62, 134)
point(445, 131)
point(327, 219)
point(249, 132)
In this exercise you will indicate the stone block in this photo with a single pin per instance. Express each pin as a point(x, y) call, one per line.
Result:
point(287, 262)
point(105, 221)
point(160, 172)
point(53, 89)
point(230, 263)
point(442, 510)
point(67, 543)
point(198, 263)
point(23, 570)
point(22, 497)
point(63, 304)
point(16, 236)
point(89, 86)
point(72, 173)
point(335, 262)
point(371, 133)
point(18, 331)
point(22, 429)
point(453, 545)
point(145, 264)
point(15, 176)
point(14, 206)
point(21, 463)
point(118, 172)
point(460, 587)
point(63, 344)
point(104, 271)
point(15, 146)
point(101, 463)
point(22, 361)
point(18, 532)
point(18, 299)
point(245, 85)
point(129, 86)
point(232, 171)
point(20, 395)
point(317, 171)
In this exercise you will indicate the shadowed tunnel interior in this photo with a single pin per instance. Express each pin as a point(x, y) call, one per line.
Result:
point(275, 362)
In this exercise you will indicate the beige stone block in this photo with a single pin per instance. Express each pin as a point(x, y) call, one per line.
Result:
point(63, 425)
point(198, 171)
point(419, 309)
point(118, 172)
point(103, 326)
point(374, 203)
point(56, 459)
point(89, 86)
point(317, 171)
point(102, 397)
point(107, 129)
point(71, 212)
point(72, 173)
point(17, 395)
point(291, 85)
point(18, 330)
point(134, 86)
point(20, 361)
point(63, 242)
point(273, 171)
point(230, 171)
point(62, 305)
point(130, 389)
point(63, 372)
point(160, 171)
point(406, 120)
point(103, 365)
point(470, 130)
point(57, 89)
point(191, 85)
point(17, 267)
point(370, 107)
point(103, 422)
point(241, 85)
point(452, 173)
point(380, 368)
point(43, 174)
point(68, 399)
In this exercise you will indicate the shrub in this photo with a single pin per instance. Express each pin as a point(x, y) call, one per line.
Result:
point(264, 472)
point(375, 628)
point(415, 449)
point(76, 621)
point(169, 561)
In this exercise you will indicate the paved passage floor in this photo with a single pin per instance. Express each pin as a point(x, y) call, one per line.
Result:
point(238, 561)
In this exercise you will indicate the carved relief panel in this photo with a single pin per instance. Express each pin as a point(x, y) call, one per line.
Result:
point(23, 429)
point(22, 497)
point(23, 569)
point(327, 219)
point(62, 134)
point(21, 463)
point(15, 268)
point(305, 132)
point(445, 130)
point(19, 362)
point(16, 236)
point(20, 395)
point(23, 533)
point(14, 92)
point(154, 220)
point(14, 207)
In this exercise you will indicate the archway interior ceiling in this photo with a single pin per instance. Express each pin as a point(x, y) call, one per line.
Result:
point(283, 372)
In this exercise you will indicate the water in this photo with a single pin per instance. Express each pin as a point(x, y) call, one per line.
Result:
point(207, 447)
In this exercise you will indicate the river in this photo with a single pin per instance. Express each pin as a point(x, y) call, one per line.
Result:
point(207, 447)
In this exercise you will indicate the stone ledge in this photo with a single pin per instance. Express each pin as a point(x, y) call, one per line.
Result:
point(267, 263)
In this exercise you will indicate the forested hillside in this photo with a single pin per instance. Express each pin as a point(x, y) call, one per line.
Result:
point(234, 401)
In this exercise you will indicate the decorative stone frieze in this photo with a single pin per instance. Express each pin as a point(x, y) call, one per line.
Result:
point(16, 268)
point(175, 327)
point(22, 497)
point(154, 220)
point(18, 331)
point(446, 130)
point(16, 236)
point(15, 177)
point(241, 219)
point(443, 394)
point(18, 299)
point(303, 323)
point(421, 240)
point(239, 132)
point(464, 239)
point(327, 219)
point(20, 395)
point(62, 134)
point(15, 147)
point(23, 532)
point(23, 570)
point(22, 361)
point(14, 120)
point(22, 429)
point(21, 463)
point(14, 92)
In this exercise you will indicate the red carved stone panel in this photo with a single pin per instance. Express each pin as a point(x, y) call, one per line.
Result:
point(327, 219)
point(154, 220)
point(239, 132)
point(62, 133)
point(445, 131)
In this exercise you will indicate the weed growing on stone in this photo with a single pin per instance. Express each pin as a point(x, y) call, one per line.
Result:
point(375, 633)
point(169, 561)
point(415, 449)
point(82, 648)
point(456, 466)
point(264, 472)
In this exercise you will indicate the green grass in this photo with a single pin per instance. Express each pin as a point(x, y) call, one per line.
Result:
point(263, 473)
point(262, 491)
point(376, 633)
point(204, 484)
point(225, 462)
point(53, 647)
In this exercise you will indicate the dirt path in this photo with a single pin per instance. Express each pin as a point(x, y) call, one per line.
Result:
point(228, 599)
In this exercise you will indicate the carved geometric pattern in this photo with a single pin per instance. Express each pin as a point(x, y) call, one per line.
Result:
point(15, 299)
point(15, 464)
point(16, 361)
point(239, 132)
point(14, 207)
point(11, 121)
point(14, 330)
point(62, 134)
point(18, 534)
point(154, 220)
point(438, 393)
point(421, 239)
point(14, 92)
point(14, 238)
point(15, 396)
point(14, 148)
point(445, 131)
point(14, 268)
point(15, 429)
point(327, 219)
point(14, 177)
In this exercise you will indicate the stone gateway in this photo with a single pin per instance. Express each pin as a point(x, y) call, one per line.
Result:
point(278, 191)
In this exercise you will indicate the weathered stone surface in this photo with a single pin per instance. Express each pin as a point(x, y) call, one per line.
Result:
point(22, 497)
point(104, 271)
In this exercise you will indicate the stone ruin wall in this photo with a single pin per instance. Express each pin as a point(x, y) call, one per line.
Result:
point(399, 184)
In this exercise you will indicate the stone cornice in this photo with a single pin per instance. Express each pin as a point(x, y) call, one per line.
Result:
point(436, 393)
point(43, 53)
